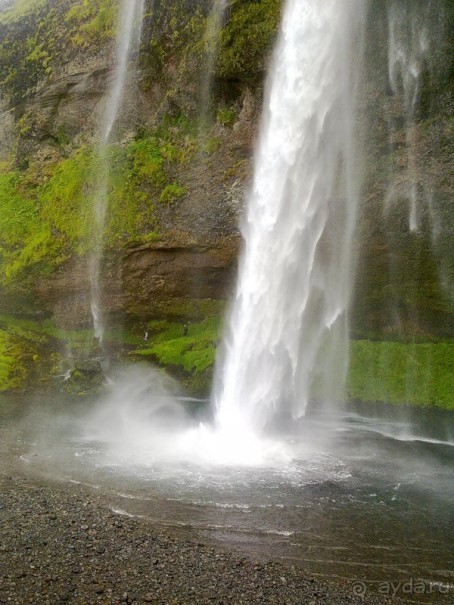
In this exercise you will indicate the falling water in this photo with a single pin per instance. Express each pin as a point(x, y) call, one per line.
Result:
point(214, 24)
point(127, 42)
point(408, 51)
point(287, 336)
point(417, 205)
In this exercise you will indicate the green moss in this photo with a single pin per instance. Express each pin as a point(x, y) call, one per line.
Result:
point(190, 357)
point(19, 352)
point(26, 244)
point(12, 371)
point(402, 373)
point(194, 352)
point(171, 193)
point(19, 9)
point(65, 198)
point(226, 116)
point(94, 21)
point(46, 212)
point(247, 38)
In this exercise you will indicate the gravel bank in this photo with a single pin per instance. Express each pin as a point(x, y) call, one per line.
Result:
point(63, 544)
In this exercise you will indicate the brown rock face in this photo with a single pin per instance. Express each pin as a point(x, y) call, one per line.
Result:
point(145, 282)
point(152, 276)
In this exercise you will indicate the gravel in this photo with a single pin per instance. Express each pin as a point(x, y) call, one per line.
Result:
point(62, 543)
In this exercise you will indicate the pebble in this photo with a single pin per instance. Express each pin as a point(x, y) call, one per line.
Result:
point(68, 564)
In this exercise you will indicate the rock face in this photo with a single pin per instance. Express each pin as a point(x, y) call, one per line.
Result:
point(52, 107)
point(195, 254)
point(145, 282)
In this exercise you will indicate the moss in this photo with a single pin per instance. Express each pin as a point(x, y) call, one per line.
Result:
point(194, 352)
point(46, 210)
point(19, 9)
point(402, 373)
point(189, 357)
point(37, 35)
point(94, 21)
point(64, 199)
point(20, 349)
point(227, 116)
point(13, 372)
point(247, 38)
point(173, 33)
point(171, 193)
point(26, 243)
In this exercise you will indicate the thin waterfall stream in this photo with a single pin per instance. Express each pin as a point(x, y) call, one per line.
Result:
point(130, 18)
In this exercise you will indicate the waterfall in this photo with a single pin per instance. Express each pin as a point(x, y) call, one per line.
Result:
point(214, 24)
point(408, 51)
point(287, 334)
point(417, 217)
point(130, 20)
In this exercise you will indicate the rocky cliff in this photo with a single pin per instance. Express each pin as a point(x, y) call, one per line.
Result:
point(182, 241)
point(181, 160)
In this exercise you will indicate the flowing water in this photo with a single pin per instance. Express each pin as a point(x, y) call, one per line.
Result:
point(213, 29)
point(354, 495)
point(130, 19)
point(418, 34)
point(287, 332)
point(360, 494)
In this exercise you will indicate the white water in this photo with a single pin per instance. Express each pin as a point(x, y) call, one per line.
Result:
point(287, 334)
point(130, 20)
point(408, 50)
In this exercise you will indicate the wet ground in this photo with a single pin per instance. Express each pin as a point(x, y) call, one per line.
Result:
point(351, 496)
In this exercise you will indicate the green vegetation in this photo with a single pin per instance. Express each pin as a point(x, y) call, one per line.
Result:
point(171, 193)
point(13, 371)
point(94, 21)
point(380, 371)
point(19, 352)
point(191, 357)
point(391, 372)
point(26, 244)
point(19, 9)
point(35, 35)
point(46, 212)
point(30, 351)
point(402, 373)
point(247, 39)
point(227, 116)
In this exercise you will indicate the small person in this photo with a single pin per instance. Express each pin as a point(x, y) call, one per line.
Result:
point(145, 336)
point(185, 330)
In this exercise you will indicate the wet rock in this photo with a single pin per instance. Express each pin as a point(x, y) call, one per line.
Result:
point(86, 377)
point(159, 567)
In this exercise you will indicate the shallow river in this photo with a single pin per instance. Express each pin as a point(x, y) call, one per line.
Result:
point(344, 494)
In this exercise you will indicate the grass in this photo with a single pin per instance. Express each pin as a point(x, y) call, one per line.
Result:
point(193, 353)
point(380, 371)
point(402, 373)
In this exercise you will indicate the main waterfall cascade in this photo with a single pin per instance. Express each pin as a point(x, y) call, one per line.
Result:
point(287, 331)
point(130, 20)
point(363, 491)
